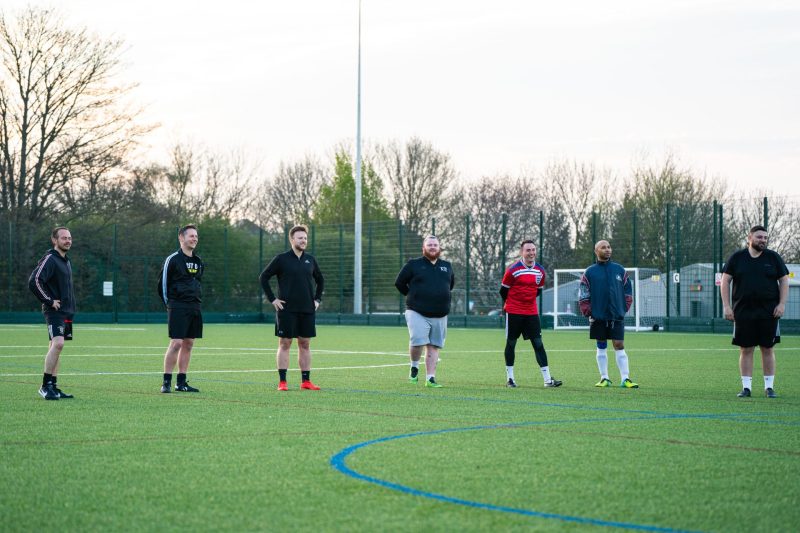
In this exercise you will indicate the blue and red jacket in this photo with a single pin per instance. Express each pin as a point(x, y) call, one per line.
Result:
point(605, 292)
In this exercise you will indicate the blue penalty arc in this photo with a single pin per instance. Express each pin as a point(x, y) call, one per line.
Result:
point(338, 461)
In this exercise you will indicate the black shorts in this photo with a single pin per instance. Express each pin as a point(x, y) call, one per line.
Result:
point(290, 325)
point(526, 325)
point(59, 325)
point(185, 323)
point(602, 330)
point(764, 332)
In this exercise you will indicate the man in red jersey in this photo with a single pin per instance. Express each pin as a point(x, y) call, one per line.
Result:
point(519, 289)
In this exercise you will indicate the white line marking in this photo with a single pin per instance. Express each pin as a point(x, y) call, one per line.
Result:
point(159, 373)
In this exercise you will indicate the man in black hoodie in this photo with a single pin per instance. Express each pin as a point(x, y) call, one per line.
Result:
point(179, 288)
point(426, 283)
point(51, 282)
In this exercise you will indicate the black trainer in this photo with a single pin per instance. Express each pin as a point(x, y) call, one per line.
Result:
point(185, 387)
point(745, 393)
point(166, 387)
point(770, 393)
point(553, 383)
point(48, 392)
point(61, 394)
point(511, 384)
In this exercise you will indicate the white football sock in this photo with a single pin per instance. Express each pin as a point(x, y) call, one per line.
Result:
point(768, 381)
point(622, 364)
point(602, 362)
point(747, 382)
point(546, 373)
point(510, 372)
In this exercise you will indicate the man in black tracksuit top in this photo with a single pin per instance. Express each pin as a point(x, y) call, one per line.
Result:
point(300, 286)
point(426, 283)
point(51, 283)
point(179, 289)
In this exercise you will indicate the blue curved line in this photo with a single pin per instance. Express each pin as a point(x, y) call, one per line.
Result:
point(338, 461)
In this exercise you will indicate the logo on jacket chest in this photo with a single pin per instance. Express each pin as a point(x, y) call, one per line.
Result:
point(192, 267)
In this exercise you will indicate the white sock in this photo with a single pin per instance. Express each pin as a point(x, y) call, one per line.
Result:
point(768, 381)
point(747, 382)
point(429, 376)
point(546, 373)
point(622, 364)
point(510, 372)
point(602, 362)
point(414, 364)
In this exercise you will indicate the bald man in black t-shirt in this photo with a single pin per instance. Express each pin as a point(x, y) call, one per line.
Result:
point(760, 289)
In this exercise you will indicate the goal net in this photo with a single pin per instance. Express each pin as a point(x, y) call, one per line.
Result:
point(648, 307)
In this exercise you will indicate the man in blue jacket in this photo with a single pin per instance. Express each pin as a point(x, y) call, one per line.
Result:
point(605, 296)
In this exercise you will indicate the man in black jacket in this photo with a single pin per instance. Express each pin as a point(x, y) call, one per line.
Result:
point(179, 288)
point(300, 286)
point(426, 283)
point(51, 282)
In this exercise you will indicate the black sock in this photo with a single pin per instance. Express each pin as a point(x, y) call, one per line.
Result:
point(306, 375)
point(282, 374)
point(181, 379)
point(167, 378)
point(509, 352)
point(48, 378)
point(538, 349)
point(55, 380)
point(414, 371)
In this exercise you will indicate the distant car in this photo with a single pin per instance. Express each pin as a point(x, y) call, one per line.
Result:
point(495, 312)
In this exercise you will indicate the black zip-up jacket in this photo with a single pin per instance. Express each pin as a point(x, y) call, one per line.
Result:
point(296, 279)
point(179, 280)
point(426, 286)
point(52, 280)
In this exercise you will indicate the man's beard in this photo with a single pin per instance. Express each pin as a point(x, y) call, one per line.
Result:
point(760, 246)
point(431, 256)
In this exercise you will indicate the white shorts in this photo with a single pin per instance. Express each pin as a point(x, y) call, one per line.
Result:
point(425, 330)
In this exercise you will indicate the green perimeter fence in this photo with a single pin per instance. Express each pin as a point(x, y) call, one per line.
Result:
point(681, 246)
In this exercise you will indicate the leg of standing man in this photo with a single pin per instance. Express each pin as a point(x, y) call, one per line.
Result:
point(415, 354)
point(431, 359)
point(48, 391)
point(282, 361)
point(304, 360)
point(746, 369)
point(768, 366)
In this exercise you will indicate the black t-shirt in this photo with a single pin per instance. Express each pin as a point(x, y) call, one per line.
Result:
point(426, 286)
point(755, 283)
point(300, 281)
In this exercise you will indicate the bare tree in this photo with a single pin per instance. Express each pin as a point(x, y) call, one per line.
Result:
point(576, 188)
point(783, 220)
point(419, 177)
point(63, 125)
point(291, 194)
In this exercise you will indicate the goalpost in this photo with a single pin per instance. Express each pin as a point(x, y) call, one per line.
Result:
point(646, 310)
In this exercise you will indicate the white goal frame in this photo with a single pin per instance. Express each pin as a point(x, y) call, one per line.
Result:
point(634, 272)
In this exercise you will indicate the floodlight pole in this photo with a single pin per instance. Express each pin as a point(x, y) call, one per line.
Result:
point(357, 240)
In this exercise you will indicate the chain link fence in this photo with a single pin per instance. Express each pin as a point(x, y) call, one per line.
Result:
point(681, 247)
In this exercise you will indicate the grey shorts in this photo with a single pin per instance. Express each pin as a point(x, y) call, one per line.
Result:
point(425, 330)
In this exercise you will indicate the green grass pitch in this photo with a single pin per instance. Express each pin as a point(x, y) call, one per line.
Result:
point(371, 452)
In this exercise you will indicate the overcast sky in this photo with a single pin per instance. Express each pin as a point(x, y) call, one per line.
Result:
point(501, 86)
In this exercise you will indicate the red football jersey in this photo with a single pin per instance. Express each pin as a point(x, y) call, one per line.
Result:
point(523, 284)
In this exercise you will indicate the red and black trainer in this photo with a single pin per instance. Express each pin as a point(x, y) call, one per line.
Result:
point(307, 385)
point(283, 386)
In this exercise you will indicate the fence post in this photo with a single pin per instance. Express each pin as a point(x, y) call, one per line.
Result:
point(541, 256)
point(714, 257)
point(633, 238)
point(114, 299)
point(341, 268)
point(503, 252)
point(433, 226)
point(766, 213)
point(10, 263)
point(226, 285)
point(668, 265)
point(286, 236)
point(400, 261)
point(259, 267)
point(369, 270)
point(678, 261)
point(594, 233)
point(313, 239)
point(466, 286)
